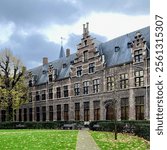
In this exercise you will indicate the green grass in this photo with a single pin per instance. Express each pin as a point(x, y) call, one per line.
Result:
point(38, 139)
point(105, 140)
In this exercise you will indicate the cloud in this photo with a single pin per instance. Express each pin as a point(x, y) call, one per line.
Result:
point(32, 48)
point(38, 12)
point(130, 7)
point(43, 12)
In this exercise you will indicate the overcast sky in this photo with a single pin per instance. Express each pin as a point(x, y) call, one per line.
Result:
point(33, 29)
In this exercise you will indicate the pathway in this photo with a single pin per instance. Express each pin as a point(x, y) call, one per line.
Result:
point(85, 141)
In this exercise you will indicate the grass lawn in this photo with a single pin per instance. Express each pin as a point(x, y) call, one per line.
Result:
point(105, 140)
point(38, 139)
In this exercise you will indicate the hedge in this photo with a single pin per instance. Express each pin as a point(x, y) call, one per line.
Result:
point(137, 127)
point(38, 125)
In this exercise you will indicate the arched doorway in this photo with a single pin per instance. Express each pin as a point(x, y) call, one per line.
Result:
point(109, 112)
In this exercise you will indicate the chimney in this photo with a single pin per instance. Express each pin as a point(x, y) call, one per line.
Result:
point(67, 52)
point(83, 28)
point(87, 26)
point(45, 60)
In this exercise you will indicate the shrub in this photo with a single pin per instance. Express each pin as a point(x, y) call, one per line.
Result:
point(38, 125)
point(140, 128)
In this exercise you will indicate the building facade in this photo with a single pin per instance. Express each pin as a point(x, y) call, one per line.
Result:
point(98, 82)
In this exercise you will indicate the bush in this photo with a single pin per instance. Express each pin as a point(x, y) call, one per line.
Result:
point(140, 128)
point(38, 125)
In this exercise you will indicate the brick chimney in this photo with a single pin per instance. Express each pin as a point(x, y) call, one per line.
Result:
point(45, 60)
point(67, 52)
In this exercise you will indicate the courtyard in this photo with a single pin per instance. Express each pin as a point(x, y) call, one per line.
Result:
point(25, 139)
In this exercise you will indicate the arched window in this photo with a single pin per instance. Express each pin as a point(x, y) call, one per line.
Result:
point(109, 112)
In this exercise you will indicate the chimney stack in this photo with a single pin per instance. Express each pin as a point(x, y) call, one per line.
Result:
point(45, 60)
point(67, 52)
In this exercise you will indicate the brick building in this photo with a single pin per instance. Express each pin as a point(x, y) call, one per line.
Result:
point(95, 83)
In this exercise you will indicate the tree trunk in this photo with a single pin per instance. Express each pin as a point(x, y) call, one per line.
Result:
point(9, 115)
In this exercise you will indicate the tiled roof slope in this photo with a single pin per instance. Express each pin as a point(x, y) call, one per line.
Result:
point(41, 71)
point(108, 49)
point(124, 54)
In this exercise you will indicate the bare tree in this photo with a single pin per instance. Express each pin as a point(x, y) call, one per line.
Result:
point(13, 89)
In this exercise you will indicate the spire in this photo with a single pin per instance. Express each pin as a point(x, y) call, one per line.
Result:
point(62, 53)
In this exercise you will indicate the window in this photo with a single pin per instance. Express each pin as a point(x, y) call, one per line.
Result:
point(139, 107)
point(117, 48)
point(58, 112)
point(43, 113)
point(86, 87)
point(138, 55)
point(124, 81)
point(37, 96)
point(124, 109)
point(66, 91)
point(66, 112)
point(76, 89)
point(64, 65)
point(37, 113)
point(58, 92)
point(91, 67)
point(110, 83)
point(85, 42)
point(86, 111)
point(50, 93)
point(85, 54)
point(3, 115)
point(96, 110)
point(50, 78)
point(30, 114)
point(50, 113)
point(30, 83)
point(110, 112)
point(20, 114)
point(77, 111)
point(79, 71)
point(25, 114)
point(30, 97)
point(129, 45)
point(43, 95)
point(96, 86)
point(139, 78)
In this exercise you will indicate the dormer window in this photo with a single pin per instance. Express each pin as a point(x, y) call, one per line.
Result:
point(117, 48)
point(64, 65)
point(44, 71)
point(129, 45)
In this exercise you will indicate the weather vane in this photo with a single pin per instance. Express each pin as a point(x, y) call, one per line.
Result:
point(62, 41)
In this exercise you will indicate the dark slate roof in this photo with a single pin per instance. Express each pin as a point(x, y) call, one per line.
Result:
point(124, 54)
point(112, 58)
point(41, 71)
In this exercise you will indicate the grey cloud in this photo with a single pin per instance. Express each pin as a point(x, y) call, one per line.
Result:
point(43, 12)
point(32, 48)
point(130, 7)
point(38, 12)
